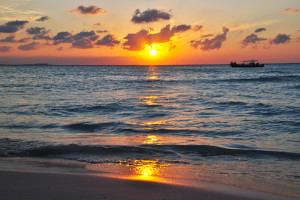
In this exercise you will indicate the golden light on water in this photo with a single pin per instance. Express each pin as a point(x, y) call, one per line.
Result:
point(152, 139)
point(149, 100)
point(144, 170)
point(150, 170)
point(150, 123)
point(153, 71)
point(153, 78)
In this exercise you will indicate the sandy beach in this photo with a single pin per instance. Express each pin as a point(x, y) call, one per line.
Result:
point(35, 185)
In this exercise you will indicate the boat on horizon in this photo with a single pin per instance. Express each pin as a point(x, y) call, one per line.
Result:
point(247, 63)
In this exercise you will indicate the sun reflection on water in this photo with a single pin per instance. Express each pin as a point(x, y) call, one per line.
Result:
point(150, 170)
point(152, 139)
point(153, 74)
point(149, 100)
point(144, 170)
point(150, 123)
point(153, 78)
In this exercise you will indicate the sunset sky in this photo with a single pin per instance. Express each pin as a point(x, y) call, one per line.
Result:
point(149, 32)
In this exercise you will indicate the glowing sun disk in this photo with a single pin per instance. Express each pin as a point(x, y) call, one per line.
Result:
point(153, 52)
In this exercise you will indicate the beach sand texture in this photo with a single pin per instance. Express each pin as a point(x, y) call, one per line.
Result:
point(52, 186)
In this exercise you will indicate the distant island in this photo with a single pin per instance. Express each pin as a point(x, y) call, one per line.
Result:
point(35, 64)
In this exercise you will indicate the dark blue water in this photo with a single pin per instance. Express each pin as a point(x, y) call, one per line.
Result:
point(214, 121)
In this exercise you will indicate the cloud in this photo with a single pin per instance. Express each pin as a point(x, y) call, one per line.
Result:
point(138, 41)
point(40, 33)
point(37, 30)
point(11, 39)
point(172, 46)
point(150, 15)
point(5, 49)
point(12, 26)
point(15, 9)
point(252, 38)
point(97, 24)
point(207, 35)
point(83, 44)
point(290, 10)
point(102, 31)
point(281, 39)
point(89, 10)
point(30, 46)
point(260, 30)
point(24, 39)
point(249, 25)
point(41, 19)
point(41, 36)
point(81, 40)
point(91, 35)
point(211, 44)
point(181, 28)
point(198, 27)
point(62, 37)
point(108, 40)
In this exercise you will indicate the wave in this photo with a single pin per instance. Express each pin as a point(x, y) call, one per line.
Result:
point(80, 127)
point(232, 103)
point(66, 110)
point(111, 107)
point(18, 148)
point(264, 79)
point(116, 127)
point(181, 132)
point(206, 150)
point(89, 127)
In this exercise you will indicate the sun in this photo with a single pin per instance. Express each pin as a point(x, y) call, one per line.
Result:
point(153, 52)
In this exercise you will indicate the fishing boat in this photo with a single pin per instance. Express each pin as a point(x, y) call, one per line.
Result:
point(247, 63)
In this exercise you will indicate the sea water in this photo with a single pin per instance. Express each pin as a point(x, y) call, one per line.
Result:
point(235, 126)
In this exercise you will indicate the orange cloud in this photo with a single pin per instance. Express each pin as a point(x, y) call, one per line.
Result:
point(290, 10)
point(138, 41)
point(5, 49)
point(30, 46)
point(213, 43)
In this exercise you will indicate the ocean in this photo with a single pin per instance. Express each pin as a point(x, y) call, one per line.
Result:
point(180, 124)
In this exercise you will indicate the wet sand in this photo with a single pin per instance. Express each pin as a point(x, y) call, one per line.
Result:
point(16, 185)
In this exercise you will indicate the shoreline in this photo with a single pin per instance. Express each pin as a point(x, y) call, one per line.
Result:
point(21, 169)
point(43, 185)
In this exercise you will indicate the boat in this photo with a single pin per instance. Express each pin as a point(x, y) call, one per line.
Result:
point(247, 63)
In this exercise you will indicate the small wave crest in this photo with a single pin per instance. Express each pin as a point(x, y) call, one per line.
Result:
point(12, 148)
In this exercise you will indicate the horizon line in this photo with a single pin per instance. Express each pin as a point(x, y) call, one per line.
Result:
point(47, 64)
